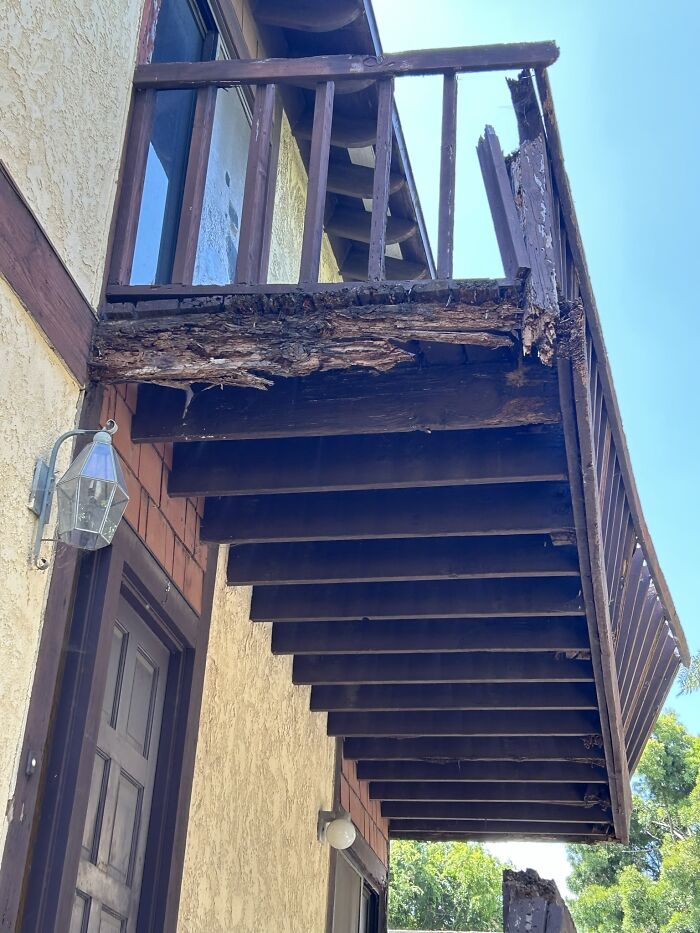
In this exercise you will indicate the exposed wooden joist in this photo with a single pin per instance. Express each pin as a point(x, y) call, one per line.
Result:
point(393, 513)
point(478, 667)
point(232, 72)
point(445, 830)
point(308, 15)
point(518, 748)
point(407, 399)
point(355, 225)
point(239, 345)
point(447, 696)
point(357, 181)
point(424, 599)
point(511, 772)
point(537, 812)
point(400, 559)
point(346, 132)
point(462, 722)
point(498, 635)
point(386, 461)
point(582, 794)
point(356, 264)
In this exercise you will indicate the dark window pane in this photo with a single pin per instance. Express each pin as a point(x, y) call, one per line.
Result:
point(179, 33)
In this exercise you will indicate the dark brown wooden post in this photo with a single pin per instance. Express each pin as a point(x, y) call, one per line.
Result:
point(316, 187)
point(448, 155)
point(534, 904)
point(195, 182)
point(134, 172)
point(382, 166)
point(500, 197)
point(257, 179)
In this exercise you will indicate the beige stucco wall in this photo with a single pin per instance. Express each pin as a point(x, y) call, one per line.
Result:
point(38, 401)
point(264, 769)
point(65, 84)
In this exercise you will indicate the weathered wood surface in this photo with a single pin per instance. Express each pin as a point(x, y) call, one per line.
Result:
point(533, 508)
point(482, 772)
point(485, 830)
point(399, 559)
point(443, 696)
point(531, 903)
point(374, 461)
point(464, 723)
point(475, 791)
point(232, 72)
point(244, 346)
point(411, 398)
point(477, 667)
point(529, 173)
point(494, 810)
point(357, 181)
point(444, 635)
point(356, 225)
point(380, 232)
point(448, 163)
point(585, 750)
point(316, 187)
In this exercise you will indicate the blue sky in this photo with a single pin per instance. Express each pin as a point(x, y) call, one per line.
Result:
point(624, 91)
point(624, 94)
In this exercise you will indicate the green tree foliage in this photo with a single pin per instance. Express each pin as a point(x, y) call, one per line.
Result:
point(689, 677)
point(444, 886)
point(651, 885)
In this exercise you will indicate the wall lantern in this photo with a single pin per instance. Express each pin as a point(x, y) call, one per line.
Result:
point(91, 494)
point(336, 828)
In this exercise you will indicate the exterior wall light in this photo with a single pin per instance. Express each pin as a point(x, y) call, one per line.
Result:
point(336, 828)
point(91, 494)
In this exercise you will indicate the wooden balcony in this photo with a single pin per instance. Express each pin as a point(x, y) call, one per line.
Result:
point(426, 480)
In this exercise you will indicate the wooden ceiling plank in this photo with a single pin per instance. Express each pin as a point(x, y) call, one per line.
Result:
point(507, 773)
point(443, 635)
point(483, 829)
point(400, 559)
point(355, 265)
point(374, 461)
point(405, 399)
point(464, 723)
point(537, 596)
point(346, 132)
point(512, 812)
point(527, 508)
point(564, 793)
point(476, 667)
point(447, 696)
point(517, 748)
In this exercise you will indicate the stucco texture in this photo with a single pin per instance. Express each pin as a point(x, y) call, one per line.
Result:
point(264, 769)
point(38, 401)
point(65, 86)
point(288, 217)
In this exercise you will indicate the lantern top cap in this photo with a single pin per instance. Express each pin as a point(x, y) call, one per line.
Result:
point(104, 435)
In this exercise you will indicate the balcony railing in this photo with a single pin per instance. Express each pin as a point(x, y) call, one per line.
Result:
point(329, 76)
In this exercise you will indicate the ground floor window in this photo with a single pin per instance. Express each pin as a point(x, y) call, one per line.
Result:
point(355, 903)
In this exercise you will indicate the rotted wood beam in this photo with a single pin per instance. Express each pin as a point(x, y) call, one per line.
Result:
point(247, 340)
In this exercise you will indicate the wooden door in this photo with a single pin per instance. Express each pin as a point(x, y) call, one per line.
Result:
point(123, 776)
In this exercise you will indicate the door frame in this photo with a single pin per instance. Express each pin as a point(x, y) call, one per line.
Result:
point(125, 569)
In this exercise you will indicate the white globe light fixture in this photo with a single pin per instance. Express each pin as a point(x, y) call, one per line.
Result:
point(91, 495)
point(336, 828)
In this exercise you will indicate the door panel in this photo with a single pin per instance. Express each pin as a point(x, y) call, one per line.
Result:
point(119, 803)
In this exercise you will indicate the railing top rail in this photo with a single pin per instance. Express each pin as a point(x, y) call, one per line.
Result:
point(222, 73)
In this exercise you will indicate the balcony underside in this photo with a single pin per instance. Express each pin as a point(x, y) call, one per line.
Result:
point(421, 530)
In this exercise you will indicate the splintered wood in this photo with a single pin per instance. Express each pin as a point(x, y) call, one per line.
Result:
point(248, 339)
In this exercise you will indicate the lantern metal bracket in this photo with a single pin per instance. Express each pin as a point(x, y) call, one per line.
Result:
point(44, 483)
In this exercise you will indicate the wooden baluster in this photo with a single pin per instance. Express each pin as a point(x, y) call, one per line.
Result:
point(506, 222)
point(195, 183)
point(316, 187)
point(382, 166)
point(131, 186)
point(250, 248)
point(448, 154)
